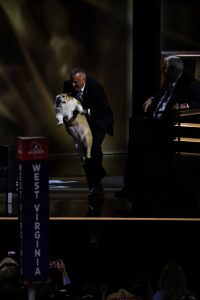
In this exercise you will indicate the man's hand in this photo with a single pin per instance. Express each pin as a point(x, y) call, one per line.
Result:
point(60, 266)
point(146, 105)
point(180, 106)
point(70, 122)
point(86, 112)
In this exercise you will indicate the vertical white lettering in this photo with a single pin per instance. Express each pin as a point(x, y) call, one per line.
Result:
point(37, 207)
point(37, 226)
point(36, 168)
point(37, 271)
point(36, 185)
point(37, 253)
point(37, 235)
point(36, 194)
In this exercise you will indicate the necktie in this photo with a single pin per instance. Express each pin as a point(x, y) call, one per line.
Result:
point(164, 101)
point(79, 95)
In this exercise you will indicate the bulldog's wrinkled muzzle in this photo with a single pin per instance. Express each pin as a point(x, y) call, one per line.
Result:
point(58, 100)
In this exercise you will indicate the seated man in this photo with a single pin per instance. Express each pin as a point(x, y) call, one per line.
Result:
point(156, 166)
point(179, 90)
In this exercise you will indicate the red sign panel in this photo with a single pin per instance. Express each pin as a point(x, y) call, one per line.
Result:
point(32, 148)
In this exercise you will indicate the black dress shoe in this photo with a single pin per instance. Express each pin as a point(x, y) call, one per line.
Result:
point(93, 211)
point(95, 202)
point(96, 192)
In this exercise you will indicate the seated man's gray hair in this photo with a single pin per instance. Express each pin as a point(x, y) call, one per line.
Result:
point(175, 62)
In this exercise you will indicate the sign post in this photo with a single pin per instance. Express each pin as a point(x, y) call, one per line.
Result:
point(33, 188)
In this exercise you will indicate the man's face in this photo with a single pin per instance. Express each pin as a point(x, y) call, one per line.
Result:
point(78, 81)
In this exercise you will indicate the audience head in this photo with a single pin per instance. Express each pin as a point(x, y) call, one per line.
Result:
point(172, 281)
point(139, 285)
point(9, 277)
point(90, 290)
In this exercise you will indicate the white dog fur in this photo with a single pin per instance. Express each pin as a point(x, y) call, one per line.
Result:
point(79, 129)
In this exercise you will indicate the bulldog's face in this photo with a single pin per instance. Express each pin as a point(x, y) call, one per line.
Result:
point(67, 105)
point(60, 100)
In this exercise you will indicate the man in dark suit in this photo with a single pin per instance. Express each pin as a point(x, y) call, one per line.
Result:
point(92, 95)
point(179, 90)
point(160, 171)
point(153, 151)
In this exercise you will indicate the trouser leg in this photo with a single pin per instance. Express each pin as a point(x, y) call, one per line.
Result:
point(94, 173)
point(93, 168)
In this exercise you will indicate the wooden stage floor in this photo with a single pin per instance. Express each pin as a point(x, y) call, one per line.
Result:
point(68, 198)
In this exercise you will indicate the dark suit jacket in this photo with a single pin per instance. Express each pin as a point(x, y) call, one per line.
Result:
point(187, 90)
point(95, 99)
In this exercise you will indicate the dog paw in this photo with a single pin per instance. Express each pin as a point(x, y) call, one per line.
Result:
point(60, 123)
point(83, 160)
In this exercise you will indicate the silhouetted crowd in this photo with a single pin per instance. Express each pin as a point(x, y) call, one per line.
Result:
point(171, 285)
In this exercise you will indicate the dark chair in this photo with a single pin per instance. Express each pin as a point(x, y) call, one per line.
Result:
point(8, 167)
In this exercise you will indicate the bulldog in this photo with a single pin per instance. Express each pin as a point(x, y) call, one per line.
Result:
point(70, 112)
